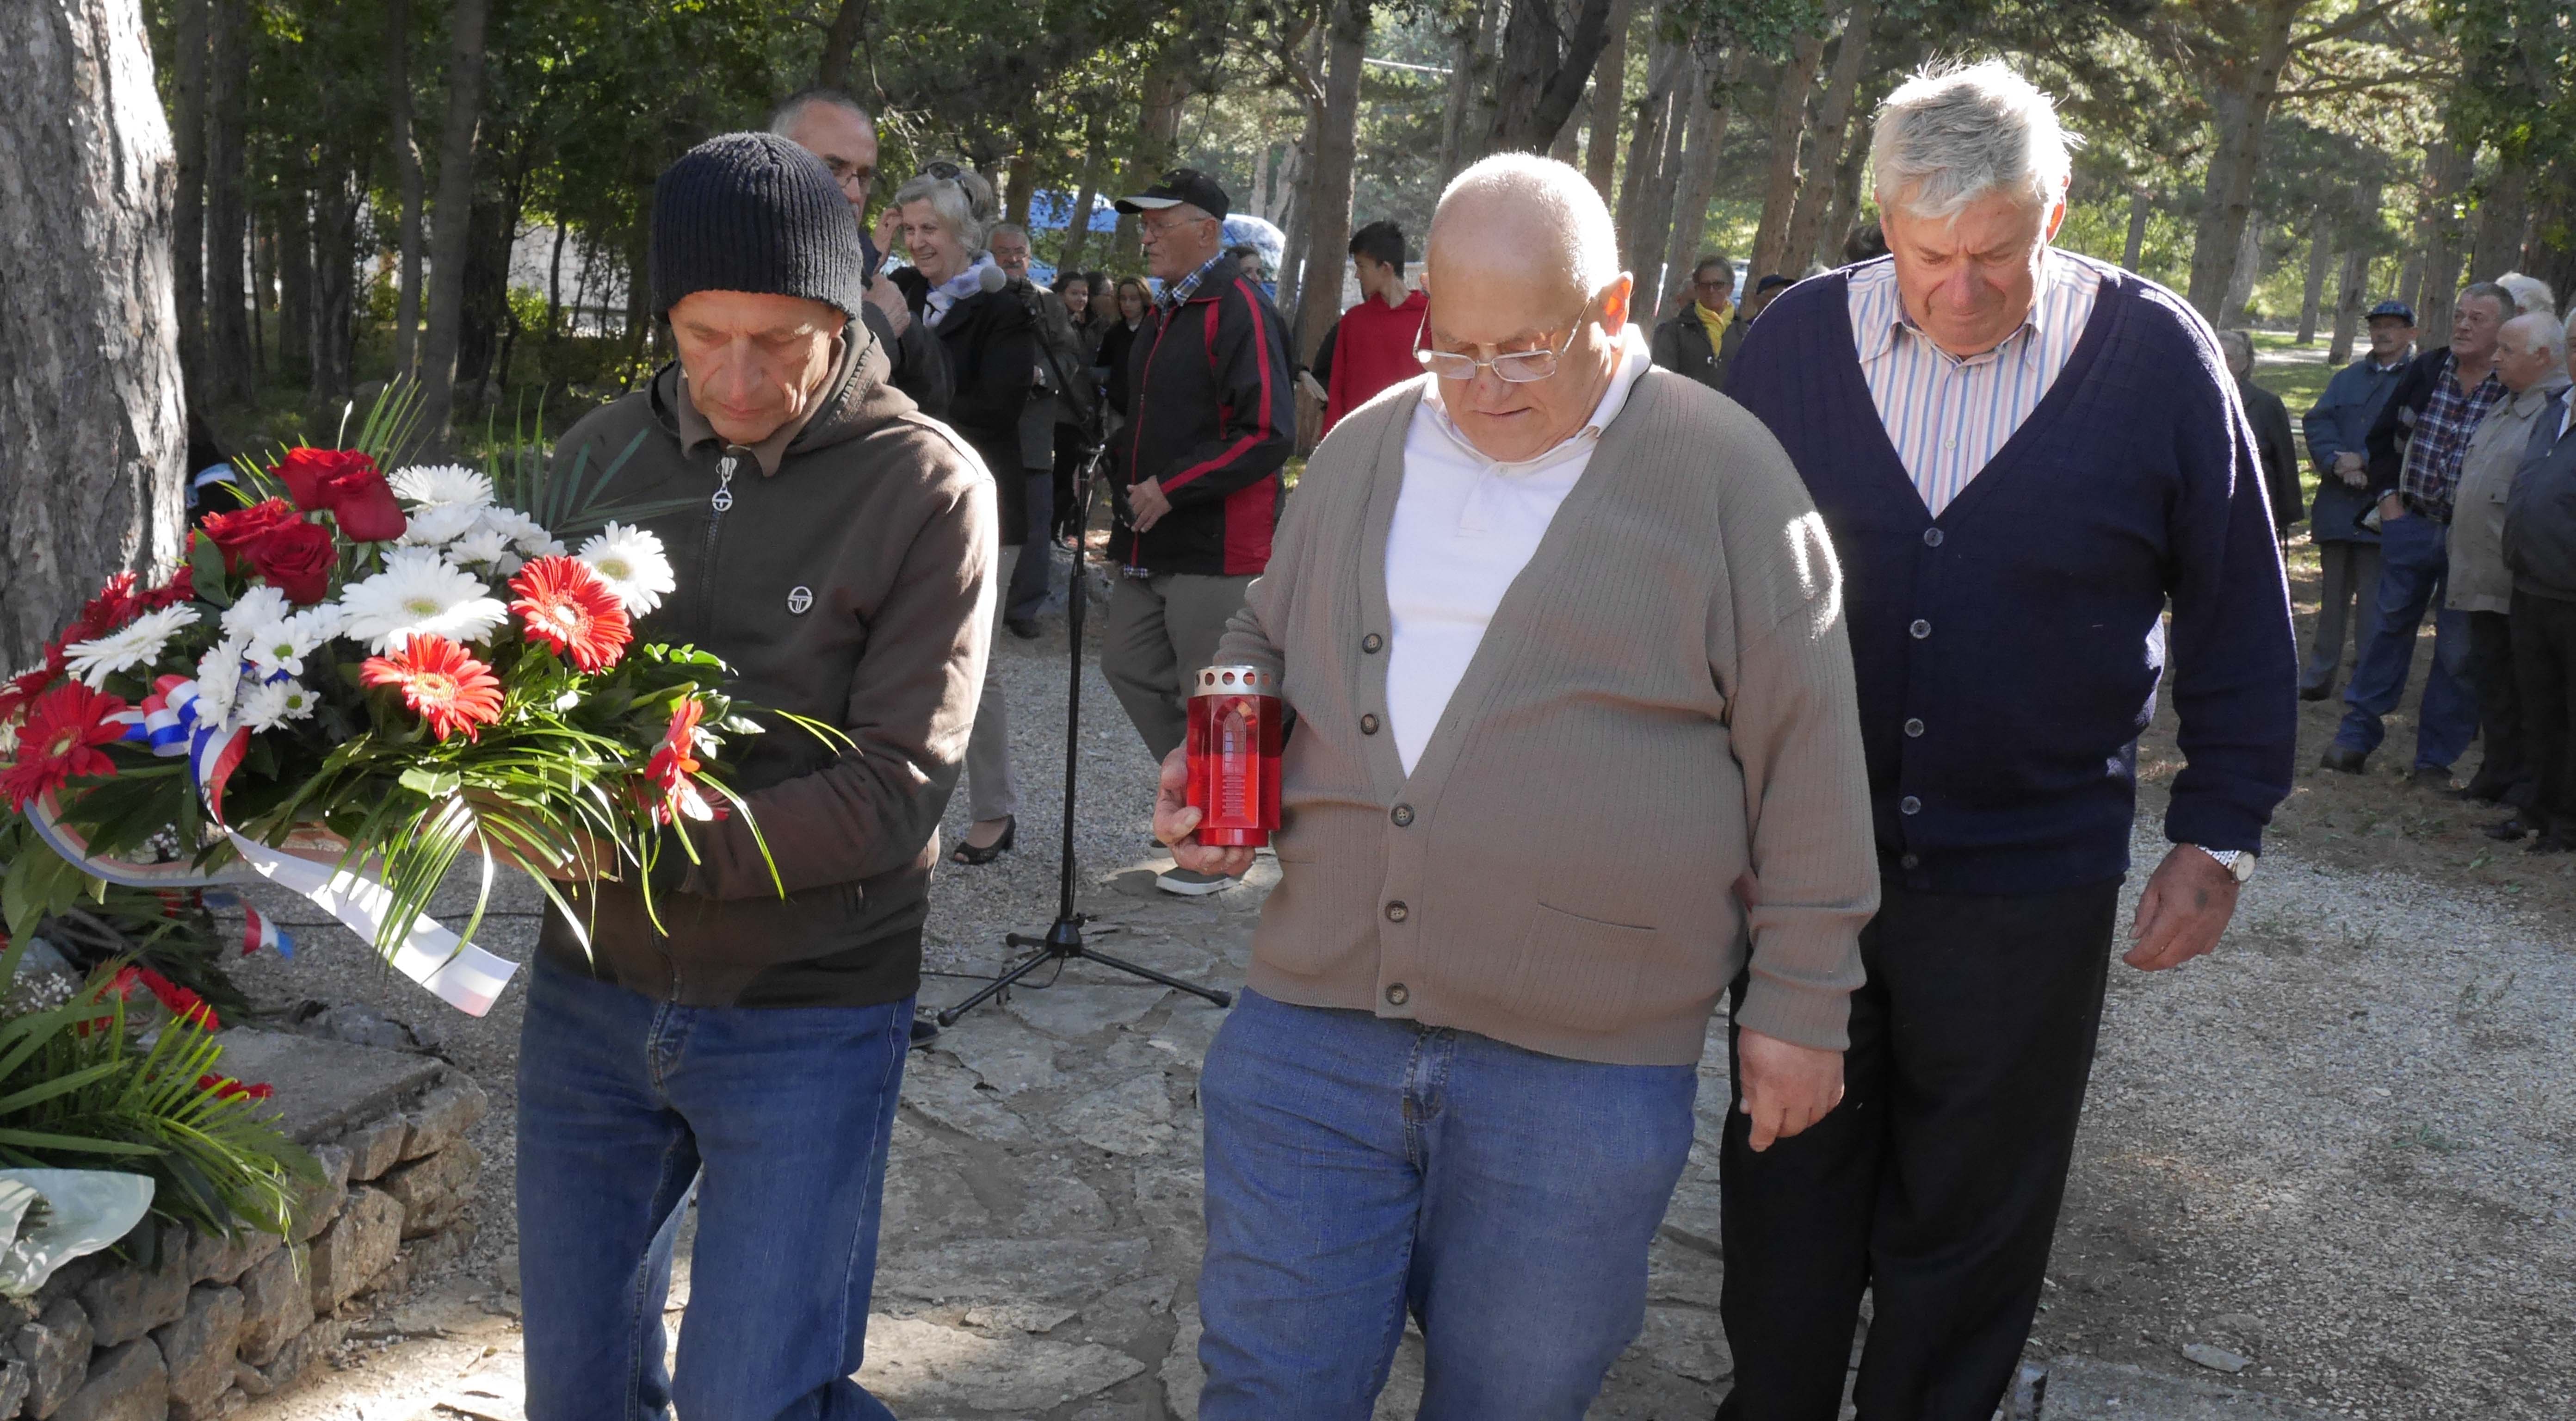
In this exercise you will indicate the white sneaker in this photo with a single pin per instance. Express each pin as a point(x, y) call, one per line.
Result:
point(1190, 883)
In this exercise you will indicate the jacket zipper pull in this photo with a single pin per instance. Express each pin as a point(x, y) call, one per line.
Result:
point(724, 484)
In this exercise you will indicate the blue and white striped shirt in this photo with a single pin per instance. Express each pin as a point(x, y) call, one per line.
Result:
point(1949, 416)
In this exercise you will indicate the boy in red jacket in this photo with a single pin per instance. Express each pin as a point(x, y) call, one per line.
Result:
point(1373, 344)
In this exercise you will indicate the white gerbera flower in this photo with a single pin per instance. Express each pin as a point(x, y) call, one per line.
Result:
point(435, 525)
point(257, 608)
point(438, 485)
point(280, 646)
point(487, 545)
point(633, 565)
point(412, 597)
point(219, 682)
point(263, 706)
point(526, 534)
point(137, 643)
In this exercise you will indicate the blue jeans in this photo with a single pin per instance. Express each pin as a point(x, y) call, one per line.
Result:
point(1357, 1168)
point(781, 1118)
point(2412, 563)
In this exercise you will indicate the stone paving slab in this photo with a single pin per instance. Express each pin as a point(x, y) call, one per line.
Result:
point(2082, 1389)
point(323, 1086)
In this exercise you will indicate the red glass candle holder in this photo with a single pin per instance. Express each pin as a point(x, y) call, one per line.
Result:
point(1234, 755)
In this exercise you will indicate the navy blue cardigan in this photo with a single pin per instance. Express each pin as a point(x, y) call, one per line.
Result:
point(2008, 651)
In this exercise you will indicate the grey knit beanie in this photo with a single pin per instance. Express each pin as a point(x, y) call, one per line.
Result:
point(754, 212)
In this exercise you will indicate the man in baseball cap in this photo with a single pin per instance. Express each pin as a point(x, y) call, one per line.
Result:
point(2338, 425)
point(1181, 187)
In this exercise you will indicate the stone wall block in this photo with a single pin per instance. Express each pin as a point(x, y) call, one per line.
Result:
point(125, 1303)
point(432, 1191)
point(376, 1147)
point(55, 1348)
point(213, 1258)
point(277, 1304)
point(15, 1382)
point(442, 1116)
point(320, 1203)
point(248, 1381)
point(128, 1384)
point(360, 1244)
point(303, 1356)
point(197, 1350)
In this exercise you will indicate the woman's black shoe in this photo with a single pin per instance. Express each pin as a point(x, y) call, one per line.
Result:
point(969, 854)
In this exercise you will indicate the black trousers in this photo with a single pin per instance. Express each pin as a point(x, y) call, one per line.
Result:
point(1069, 448)
point(2544, 664)
point(2502, 774)
point(1936, 1183)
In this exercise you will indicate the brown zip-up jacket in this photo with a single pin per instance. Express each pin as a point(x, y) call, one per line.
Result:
point(844, 575)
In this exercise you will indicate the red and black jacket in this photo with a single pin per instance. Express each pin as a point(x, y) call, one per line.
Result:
point(1214, 421)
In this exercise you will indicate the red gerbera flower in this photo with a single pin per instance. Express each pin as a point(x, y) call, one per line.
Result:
point(114, 606)
point(673, 762)
point(443, 685)
point(566, 605)
point(182, 587)
point(227, 1088)
point(177, 1000)
point(60, 740)
point(22, 690)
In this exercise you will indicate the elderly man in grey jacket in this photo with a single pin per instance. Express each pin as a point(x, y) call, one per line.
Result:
point(2530, 352)
point(2540, 551)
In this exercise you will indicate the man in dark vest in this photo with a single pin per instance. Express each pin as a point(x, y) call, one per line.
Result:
point(2024, 457)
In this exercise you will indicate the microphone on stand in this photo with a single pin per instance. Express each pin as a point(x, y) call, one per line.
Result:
point(991, 278)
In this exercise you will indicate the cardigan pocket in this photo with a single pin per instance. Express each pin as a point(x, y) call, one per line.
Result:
point(1588, 974)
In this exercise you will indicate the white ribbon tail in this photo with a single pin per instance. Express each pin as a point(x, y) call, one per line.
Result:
point(462, 975)
point(66, 841)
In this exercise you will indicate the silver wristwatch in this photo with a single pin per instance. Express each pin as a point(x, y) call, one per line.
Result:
point(2239, 863)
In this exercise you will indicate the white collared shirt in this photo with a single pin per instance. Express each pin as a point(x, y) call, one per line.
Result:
point(1949, 415)
point(1464, 527)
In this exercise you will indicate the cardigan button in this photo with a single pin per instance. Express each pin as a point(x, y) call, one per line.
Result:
point(1397, 996)
point(1368, 725)
point(1931, 537)
point(1909, 805)
point(1403, 816)
point(1396, 912)
point(1372, 643)
point(1920, 629)
point(1910, 861)
point(1913, 728)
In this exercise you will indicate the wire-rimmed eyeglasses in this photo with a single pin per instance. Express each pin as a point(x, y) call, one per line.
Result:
point(1512, 367)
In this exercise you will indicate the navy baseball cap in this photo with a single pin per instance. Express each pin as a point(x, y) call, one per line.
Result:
point(2399, 309)
point(1178, 186)
point(1773, 282)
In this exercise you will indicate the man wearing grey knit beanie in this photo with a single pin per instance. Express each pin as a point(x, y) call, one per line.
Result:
point(742, 1038)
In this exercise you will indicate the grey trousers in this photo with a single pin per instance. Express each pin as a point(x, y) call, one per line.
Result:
point(1162, 631)
point(2351, 580)
point(992, 792)
point(1025, 594)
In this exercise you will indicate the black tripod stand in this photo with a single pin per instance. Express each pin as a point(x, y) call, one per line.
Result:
point(1063, 941)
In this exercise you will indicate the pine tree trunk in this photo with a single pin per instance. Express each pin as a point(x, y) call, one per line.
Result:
point(1545, 68)
point(841, 41)
point(1847, 180)
point(1077, 232)
point(335, 279)
point(2350, 288)
point(408, 190)
point(90, 476)
point(2504, 217)
point(1467, 74)
point(1790, 83)
point(1328, 218)
point(1833, 123)
point(231, 356)
point(2320, 256)
point(188, 132)
point(1666, 62)
point(2141, 207)
point(1166, 89)
point(451, 239)
point(1709, 100)
point(2248, 269)
point(1023, 171)
point(291, 220)
point(2239, 84)
point(2550, 252)
point(2437, 282)
point(1609, 101)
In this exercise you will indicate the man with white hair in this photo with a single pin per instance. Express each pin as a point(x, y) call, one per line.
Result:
point(1576, 740)
point(2530, 359)
point(2540, 551)
point(2024, 457)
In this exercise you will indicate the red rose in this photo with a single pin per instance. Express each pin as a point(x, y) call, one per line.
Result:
point(348, 484)
point(236, 532)
point(298, 560)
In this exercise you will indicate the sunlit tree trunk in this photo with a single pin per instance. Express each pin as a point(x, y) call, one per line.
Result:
point(1833, 123)
point(1790, 84)
point(2320, 256)
point(2240, 79)
point(451, 237)
point(1609, 101)
point(1328, 216)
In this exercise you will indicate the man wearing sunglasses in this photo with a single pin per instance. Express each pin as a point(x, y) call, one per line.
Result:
point(1576, 741)
point(1212, 423)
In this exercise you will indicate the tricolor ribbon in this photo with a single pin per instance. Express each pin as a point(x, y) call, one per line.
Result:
point(462, 975)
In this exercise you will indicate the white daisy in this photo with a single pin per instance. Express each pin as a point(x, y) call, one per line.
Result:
point(435, 525)
point(433, 485)
point(218, 682)
point(526, 534)
point(137, 643)
point(298, 698)
point(280, 646)
point(257, 608)
point(633, 565)
point(412, 597)
point(486, 544)
point(263, 706)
